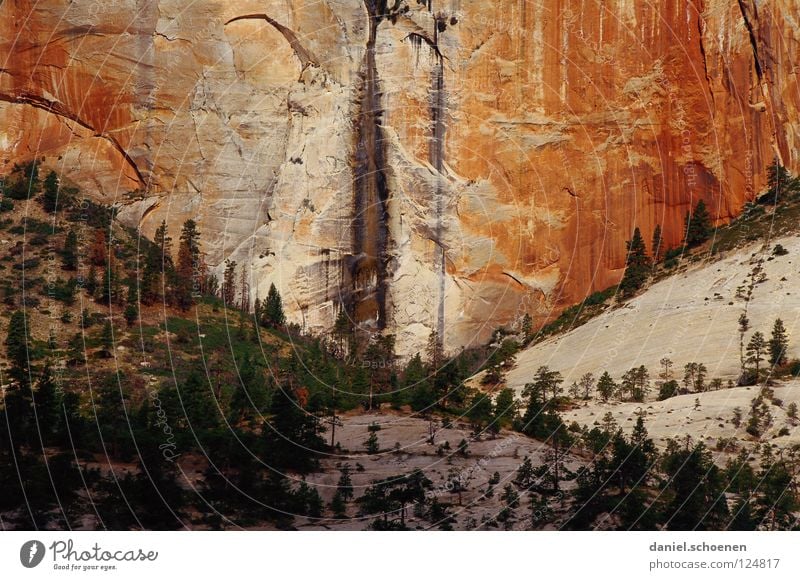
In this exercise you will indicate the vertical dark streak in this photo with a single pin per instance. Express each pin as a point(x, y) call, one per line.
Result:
point(752, 34)
point(368, 264)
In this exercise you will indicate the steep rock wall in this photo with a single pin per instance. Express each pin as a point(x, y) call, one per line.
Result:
point(427, 165)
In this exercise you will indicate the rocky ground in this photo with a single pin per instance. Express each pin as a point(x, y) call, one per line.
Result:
point(689, 317)
point(405, 447)
point(707, 417)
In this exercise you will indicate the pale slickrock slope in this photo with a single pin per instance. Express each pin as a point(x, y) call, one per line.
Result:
point(692, 316)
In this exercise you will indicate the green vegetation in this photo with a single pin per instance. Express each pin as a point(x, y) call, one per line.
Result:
point(638, 265)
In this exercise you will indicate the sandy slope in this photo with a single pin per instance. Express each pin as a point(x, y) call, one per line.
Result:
point(688, 317)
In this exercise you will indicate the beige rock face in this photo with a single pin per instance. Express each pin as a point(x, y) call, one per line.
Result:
point(447, 168)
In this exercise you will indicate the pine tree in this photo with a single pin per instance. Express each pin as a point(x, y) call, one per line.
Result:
point(778, 344)
point(526, 475)
point(694, 488)
point(132, 308)
point(110, 291)
point(345, 485)
point(480, 411)
point(527, 328)
point(187, 283)
point(435, 352)
point(107, 336)
point(18, 347)
point(199, 404)
point(668, 389)
point(229, 284)
point(69, 255)
point(244, 290)
point(342, 334)
point(50, 195)
point(292, 435)
point(338, 506)
point(163, 246)
point(657, 248)
point(371, 444)
point(606, 387)
point(635, 384)
point(756, 349)
point(27, 186)
point(46, 404)
point(638, 265)
point(698, 225)
point(505, 408)
point(548, 381)
point(159, 271)
point(273, 309)
point(694, 377)
point(780, 183)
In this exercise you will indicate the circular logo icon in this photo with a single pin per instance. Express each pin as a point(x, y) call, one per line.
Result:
point(31, 553)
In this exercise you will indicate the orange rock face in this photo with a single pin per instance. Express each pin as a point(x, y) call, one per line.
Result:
point(519, 142)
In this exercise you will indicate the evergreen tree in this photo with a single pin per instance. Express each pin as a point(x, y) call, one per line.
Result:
point(28, 184)
point(606, 387)
point(756, 349)
point(778, 344)
point(91, 284)
point(107, 337)
point(780, 183)
point(694, 377)
point(526, 475)
point(199, 404)
point(698, 225)
point(229, 284)
point(250, 399)
point(777, 503)
point(244, 290)
point(50, 195)
point(435, 352)
point(187, 283)
point(548, 381)
point(371, 445)
point(46, 403)
point(744, 518)
point(69, 255)
point(668, 389)
point(292, 435)
point(163, 245)
point(638, 266)
point(110, 290)
point(656, 247)
point(342, 334)
point(76, 350)
point(694, 489)
point(132, 307)
point(273, 309)
point(540, 420)
point(527, 328)
point(505, 408)
point(345, 485)
point(19, 348)
point(480, 412)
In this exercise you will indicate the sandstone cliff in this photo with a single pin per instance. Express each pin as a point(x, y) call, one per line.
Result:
point(426, 164)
